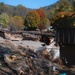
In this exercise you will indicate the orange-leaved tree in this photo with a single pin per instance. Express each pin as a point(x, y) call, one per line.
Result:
point(44, 22)
point(16, 23)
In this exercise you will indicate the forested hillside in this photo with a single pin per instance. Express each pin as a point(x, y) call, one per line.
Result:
point(13, 10)
point(19, 17)
point(60, 6)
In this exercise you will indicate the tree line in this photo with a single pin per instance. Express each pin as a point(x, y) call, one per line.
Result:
point(19, 17)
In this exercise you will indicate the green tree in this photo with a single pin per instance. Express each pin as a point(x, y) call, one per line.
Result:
point(32, 19)
point(1, 7)
point(4, 20)
point(51, 13)
point(45, 22)
point(65, 5)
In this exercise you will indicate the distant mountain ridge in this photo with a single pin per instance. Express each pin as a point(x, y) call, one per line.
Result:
point(21, 10)
point(50, 6)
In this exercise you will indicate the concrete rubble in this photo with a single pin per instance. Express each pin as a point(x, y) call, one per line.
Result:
point(50, 48)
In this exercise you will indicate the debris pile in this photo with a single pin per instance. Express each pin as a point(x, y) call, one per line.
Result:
point(27, 36)
point(24, 61)
point(18, 60)
point(16, 37)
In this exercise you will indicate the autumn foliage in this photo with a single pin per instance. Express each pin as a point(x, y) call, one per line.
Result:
point(16, 23)
point(32, 19)
point(44, 22)
point(41, 27)
point(63, 19)
point(41, 13)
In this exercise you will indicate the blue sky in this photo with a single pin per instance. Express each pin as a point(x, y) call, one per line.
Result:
point(30, 3)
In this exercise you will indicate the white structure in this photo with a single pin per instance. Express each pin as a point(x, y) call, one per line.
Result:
point(55, 49)
point(50, 28)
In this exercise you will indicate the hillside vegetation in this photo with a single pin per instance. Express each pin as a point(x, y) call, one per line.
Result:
point(20, 17)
